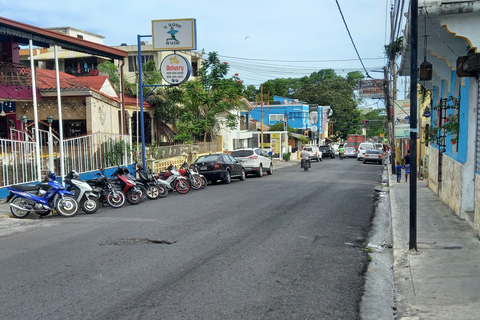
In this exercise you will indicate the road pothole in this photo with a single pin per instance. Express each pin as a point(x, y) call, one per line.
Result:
point(135, 241)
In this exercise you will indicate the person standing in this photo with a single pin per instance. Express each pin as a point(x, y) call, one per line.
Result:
point(399, 171)
point(406, 165)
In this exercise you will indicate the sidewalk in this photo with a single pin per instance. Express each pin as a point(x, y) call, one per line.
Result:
point(442, 279)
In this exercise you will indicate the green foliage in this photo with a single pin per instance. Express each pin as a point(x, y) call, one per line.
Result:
point(451, 125)
point(394, 49)
point(375, 128)
point(112, 71)
point(210, 95)
point(286, 156)
point(115, 151)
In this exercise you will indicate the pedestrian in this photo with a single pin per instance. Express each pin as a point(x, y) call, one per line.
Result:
point(406, 165)
point(399, 171)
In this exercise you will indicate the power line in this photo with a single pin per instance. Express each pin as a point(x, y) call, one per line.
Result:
point(355, 47)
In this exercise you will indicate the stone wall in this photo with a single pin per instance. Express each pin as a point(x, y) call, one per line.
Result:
point(451, 190)
point(433, 169)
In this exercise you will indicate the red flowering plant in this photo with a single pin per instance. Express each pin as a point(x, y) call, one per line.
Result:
point(451, 125)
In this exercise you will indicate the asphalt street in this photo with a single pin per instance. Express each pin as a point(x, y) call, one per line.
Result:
point(287, 246)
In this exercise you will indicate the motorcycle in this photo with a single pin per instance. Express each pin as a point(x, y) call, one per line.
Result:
point(83, 192)
point(154, 189)
point(42, 199)
point(194, 168)
point(109, 193)
point(192, 176)
point(305, 164)
point(173, 180)
point(128, 185)
point(341, 155)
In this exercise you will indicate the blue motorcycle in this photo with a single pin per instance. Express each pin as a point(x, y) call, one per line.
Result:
point(42, 199)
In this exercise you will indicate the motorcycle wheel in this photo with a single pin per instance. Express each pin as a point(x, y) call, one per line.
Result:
point(204, 182)
point(143, 192)
point(89, 205)
point(305, 168)
point(116, 199)
point(133, 196)
point(182, 186)
point(20, 214)
point(196, 182)
point(66, 206)
point(153, 192)
point(163, 191)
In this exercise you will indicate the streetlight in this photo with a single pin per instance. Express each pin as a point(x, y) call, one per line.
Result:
point(50, 142)
point(24, 120)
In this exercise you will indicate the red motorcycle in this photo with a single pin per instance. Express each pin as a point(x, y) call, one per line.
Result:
point(132, 192)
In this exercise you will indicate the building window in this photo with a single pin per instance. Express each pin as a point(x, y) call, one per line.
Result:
point(273, 118)
point(194, 68)
point(79, 36)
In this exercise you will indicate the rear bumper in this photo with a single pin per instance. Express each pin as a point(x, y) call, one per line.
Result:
point(213, 175)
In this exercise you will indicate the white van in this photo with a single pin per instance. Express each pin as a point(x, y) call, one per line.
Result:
point(364, 146)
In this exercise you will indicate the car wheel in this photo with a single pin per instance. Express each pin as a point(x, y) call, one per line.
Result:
point(260, 171)
point(364, 162)
point(270, 170)
point(227, 178)
point(243, 175)
point(359, 159)
point(332, 156)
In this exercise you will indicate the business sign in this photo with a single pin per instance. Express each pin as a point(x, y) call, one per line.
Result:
point(371, 89)
point(179, 34)
point(401, 116)
point(175, 69)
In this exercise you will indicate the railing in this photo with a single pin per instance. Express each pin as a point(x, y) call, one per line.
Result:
point(18, 162)
point(99, 150)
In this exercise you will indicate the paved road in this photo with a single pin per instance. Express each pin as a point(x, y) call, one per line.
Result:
point(286, 246)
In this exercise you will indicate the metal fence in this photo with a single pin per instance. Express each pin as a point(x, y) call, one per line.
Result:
point(83, 154)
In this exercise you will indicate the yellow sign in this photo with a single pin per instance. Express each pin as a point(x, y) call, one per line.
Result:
point(275, 135)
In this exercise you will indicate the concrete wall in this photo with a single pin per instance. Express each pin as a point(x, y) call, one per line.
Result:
point(476, 220)
point(433, 169)
point(451, 191)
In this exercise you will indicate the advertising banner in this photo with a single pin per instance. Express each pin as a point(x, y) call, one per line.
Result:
point(175, 69)
point(401, 116)
point(372, 89)
point(178, 34)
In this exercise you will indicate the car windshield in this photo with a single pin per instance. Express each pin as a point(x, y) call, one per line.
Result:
point(366, 146)
point(210, 157)
point(379, 145)
point(242, 153)
point(373, 152)
point(308, 149)
point(324, 148)
point(349, 149)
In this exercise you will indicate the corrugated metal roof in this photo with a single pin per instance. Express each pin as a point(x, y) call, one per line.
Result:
point(23, 32)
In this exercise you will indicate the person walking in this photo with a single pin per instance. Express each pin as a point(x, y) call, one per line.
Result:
point(399, 171)
point(406, 165)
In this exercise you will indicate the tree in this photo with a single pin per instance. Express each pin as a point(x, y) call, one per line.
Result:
point(377, 126)
point(207, 97)
point(111, 71)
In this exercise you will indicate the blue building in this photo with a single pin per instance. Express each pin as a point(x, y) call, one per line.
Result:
point(298, 115)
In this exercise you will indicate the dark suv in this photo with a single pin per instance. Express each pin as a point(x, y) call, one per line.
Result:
point(327, 151)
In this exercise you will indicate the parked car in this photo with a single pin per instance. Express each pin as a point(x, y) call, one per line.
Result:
point(315, 153)
point(364, 146)
point(220, 166)
point(350, 152)
point(379, 146)
point(373, 156)
point(254, 160)
point(327, 151)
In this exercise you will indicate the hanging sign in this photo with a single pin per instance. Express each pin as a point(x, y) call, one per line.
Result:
point(175, 69)
point(179, 34)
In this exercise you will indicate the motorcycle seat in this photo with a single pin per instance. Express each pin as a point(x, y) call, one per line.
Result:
point(28, 187)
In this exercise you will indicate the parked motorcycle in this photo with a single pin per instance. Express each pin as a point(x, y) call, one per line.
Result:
point(83, 192)
point(129, 187)
point(194, 168)
point(173, 180)
point(192, 176)
point(42, 199)
point(109, 193)
point(154, 189)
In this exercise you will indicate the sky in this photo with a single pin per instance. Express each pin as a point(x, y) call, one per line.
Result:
point(261, 40)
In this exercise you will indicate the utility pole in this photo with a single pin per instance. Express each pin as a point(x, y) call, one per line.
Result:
point(261, 116)
point(413, 123)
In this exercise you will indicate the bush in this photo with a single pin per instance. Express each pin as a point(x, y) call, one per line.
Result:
point(286, 156)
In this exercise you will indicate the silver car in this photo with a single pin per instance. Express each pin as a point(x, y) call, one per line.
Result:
point(254, 160)
point(362, 148)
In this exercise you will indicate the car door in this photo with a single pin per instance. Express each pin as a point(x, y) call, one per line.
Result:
point(236, 167)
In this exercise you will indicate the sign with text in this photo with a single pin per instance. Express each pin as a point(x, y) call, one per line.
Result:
point(372, 89)
point(401, 116)
point(175, 69)
point(179, 34)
